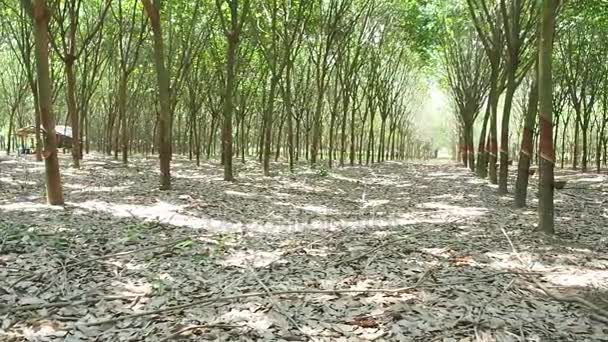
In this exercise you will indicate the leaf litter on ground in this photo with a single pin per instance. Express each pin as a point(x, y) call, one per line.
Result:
point(393, 252)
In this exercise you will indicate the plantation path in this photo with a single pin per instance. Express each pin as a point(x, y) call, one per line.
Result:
point(424, 244)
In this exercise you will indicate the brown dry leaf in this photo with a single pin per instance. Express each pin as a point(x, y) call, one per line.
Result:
point(365, 322)
point(464, 261)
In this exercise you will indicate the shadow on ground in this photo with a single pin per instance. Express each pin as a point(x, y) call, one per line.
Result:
point(466, 262)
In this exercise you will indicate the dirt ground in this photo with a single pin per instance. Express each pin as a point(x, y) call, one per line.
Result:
point(394, 252)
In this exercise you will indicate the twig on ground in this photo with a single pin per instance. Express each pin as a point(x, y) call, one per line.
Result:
point(504, 232)
point(24, 277)
point(120, 254)
point(585, 188)
point(599, 312)
point(482, 310)
point(29, 307)
point(275, 304)
point(239, 296)
point(599, 318)
point(207, 301)
point(371, 251)
point(103, 257)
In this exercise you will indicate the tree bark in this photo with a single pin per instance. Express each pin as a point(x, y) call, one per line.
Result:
point(41, 15)
point(492, 138)
point(545, 99)
point(482, 156)
point(233, 41)
point(504, 134)
point(72, 109)
point(122, 109)
point(162, 75)
point(525, 154)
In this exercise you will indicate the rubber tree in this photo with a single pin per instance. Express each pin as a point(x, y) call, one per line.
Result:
point(68, 47)
point(527, 146)
point(41, 16)
point(279, 37)
point(131, 35)
point(519, 18)
point(295, 17)
point(331, 17)
point(232, 28)
point(580, 57)
point(162, 77)
point(486, 20)
point(349, 76)
point(21, 44)
point(545, 104)
point(467, 77)
point(13, 91)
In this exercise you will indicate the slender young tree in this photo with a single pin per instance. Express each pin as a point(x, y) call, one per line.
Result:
point(131, 30)
point(232, 28)
point(69, 50)
point(162, 78)
point(468, 82)
point(41, 16)
point(545, 101)
point(22, 45)
point(519, 19)
point(332, 16)
point(487, 23)
point(527, 145)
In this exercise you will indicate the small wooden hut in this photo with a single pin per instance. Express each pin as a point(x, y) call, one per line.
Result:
point(63, 134)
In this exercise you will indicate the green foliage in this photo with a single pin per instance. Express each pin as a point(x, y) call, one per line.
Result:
point(184, 245)
point(323, 171)
point(160, 285)
point(380, 49)
point(135, 232)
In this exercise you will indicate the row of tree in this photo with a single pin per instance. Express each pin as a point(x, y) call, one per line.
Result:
point(509, 43)
point(338, 80)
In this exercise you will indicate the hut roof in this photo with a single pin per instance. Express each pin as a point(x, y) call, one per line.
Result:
point(31, 130)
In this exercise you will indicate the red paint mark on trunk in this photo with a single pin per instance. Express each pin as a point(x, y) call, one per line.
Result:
point(546, 140)
point(526, 144)
point(492, 147)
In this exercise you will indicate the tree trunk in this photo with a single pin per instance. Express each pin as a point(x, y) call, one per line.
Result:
point(563, 149)
point(34, 89)
point(11, 128)
point(370, 143)
point(279, 136)
point(229, 106)
point(492, 138)
point(469, 145)
point(122, 109)
point(316, 124)
point(41, 14)
point(381, 139)
point(545, 100)
point(525, 154)
point(244, 141)
point(576, 138)
point(267, 132)
point(585, 131)
point(482, 157)
point(162, 75)
point(289, 113)
point(352, 138)
point(345, 108)
point(504, 135)
point(598, 150)
point(72, 109)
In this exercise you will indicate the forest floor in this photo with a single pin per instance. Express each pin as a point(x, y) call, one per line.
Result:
point(393, 252)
